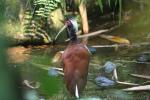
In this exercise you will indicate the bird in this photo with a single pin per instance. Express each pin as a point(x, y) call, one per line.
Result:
point(75, 61)
point(79, 6)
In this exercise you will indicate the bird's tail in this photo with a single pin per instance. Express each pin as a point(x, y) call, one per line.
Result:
point(76, 91)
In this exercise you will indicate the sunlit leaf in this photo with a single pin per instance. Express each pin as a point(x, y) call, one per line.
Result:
point(57, 56)
point(47, 6)
point(116, 39)
point(58, 0)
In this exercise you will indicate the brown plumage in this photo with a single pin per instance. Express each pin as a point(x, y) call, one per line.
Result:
point(75, 61)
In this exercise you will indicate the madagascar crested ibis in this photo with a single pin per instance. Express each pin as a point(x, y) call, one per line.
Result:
point(75, 60)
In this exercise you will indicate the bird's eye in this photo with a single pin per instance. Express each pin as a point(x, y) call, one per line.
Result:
point(68, 23)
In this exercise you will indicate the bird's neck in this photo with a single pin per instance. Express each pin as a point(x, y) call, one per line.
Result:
point(72, 36)
point(73, 43)
point(72, 33)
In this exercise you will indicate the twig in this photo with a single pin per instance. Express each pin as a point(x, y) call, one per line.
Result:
point(122, 45)
point(138, 88)
point(61, 73)
point(126, 61)
point(79, 32)
point(44, 67)
point(93, 33)
point(94, 64)
point(107, 46)
point(146, 82)
point(90, 34)
point(126, 83)
point(28, 84)
point(140, 76)
point(59, 69)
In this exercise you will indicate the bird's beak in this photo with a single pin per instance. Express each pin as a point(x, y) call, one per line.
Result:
point(61, 30)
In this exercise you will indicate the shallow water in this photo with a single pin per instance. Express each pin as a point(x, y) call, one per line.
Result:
point(35, 69)
point(34, 63)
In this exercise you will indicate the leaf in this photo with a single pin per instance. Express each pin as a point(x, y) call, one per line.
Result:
point(52, 5)
point(58, 1)
point(109, 2)
point(100, 5)
point(116, 39)
point(42, 15)
point(57, 57)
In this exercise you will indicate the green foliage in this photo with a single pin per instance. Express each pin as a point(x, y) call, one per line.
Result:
point(101, 2)
point(30, 26)
point(44, 7)
point(9, 17)
point(9, 83)
point(116, 2)
point(109, 2)
point(36, 18)
point(100, 5)
point(2, 8)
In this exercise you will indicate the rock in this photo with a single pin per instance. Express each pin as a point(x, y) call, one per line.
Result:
point(53, 72)
point(31, 95)
point(109, 67)
point(104, 82)
point(92, 49)
point(143, 57)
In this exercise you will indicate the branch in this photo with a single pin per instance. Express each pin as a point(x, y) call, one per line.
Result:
point(90, 34)
point(138, 88)
point(140, 76)
point(93, 33)
point(122, 45)
point(126, 83)
point(28, 84)
point(109, 46)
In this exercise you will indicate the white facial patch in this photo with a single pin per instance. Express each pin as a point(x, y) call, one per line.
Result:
point(75, 24)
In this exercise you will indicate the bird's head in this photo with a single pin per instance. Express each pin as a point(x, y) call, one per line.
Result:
point(72, 28)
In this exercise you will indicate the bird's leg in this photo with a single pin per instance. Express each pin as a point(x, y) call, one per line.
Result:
point(115, 76)
point(77, 92)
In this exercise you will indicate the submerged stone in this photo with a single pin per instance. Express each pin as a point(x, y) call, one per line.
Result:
point(31, 95)
point(104, 82)
point(109, 67)
point(53, 72)
point(143, 57)
point(92, 49)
